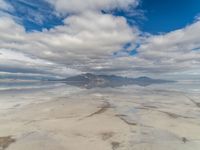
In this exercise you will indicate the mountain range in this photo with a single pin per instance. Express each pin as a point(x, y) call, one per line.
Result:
point(89, 81)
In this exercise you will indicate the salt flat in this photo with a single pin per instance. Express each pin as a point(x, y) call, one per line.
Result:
point(125, 118)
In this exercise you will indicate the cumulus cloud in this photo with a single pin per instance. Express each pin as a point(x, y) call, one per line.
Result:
point(79, 36)
point(88, 41)
point(84, 40)
point(175, 51)
point(22, 64)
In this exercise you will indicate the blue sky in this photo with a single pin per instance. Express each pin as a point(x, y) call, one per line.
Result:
point(154, 16)
point(128, 37)
point(35, 15)
point(169, 15)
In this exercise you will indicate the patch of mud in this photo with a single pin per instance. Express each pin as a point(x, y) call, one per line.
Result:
point(5, 142)
point(184, 139)
point(107, 135)
point(115, 145)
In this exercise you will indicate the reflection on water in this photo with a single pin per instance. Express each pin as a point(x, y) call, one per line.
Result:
point(187, 86)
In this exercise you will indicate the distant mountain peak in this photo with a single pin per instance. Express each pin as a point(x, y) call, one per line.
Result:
point(89, 80)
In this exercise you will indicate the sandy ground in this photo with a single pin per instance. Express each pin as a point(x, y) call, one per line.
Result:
point(110, 119)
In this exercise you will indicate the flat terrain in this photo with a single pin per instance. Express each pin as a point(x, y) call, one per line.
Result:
point(126, 118)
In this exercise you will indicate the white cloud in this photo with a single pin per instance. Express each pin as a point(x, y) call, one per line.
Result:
point(20, 63)
point(177, 50)
point(79, 6)
point(87, 40)
point(5, 6)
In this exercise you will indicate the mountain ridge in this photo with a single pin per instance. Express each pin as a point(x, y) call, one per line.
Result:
point(89, 80)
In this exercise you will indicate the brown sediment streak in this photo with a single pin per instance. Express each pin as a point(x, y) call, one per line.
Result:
point(126, 121)
point(173, 115)
point(103, 108)
point(170, 114)
point(193, 101)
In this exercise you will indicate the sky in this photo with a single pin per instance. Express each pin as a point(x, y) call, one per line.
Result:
point(42, 39)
